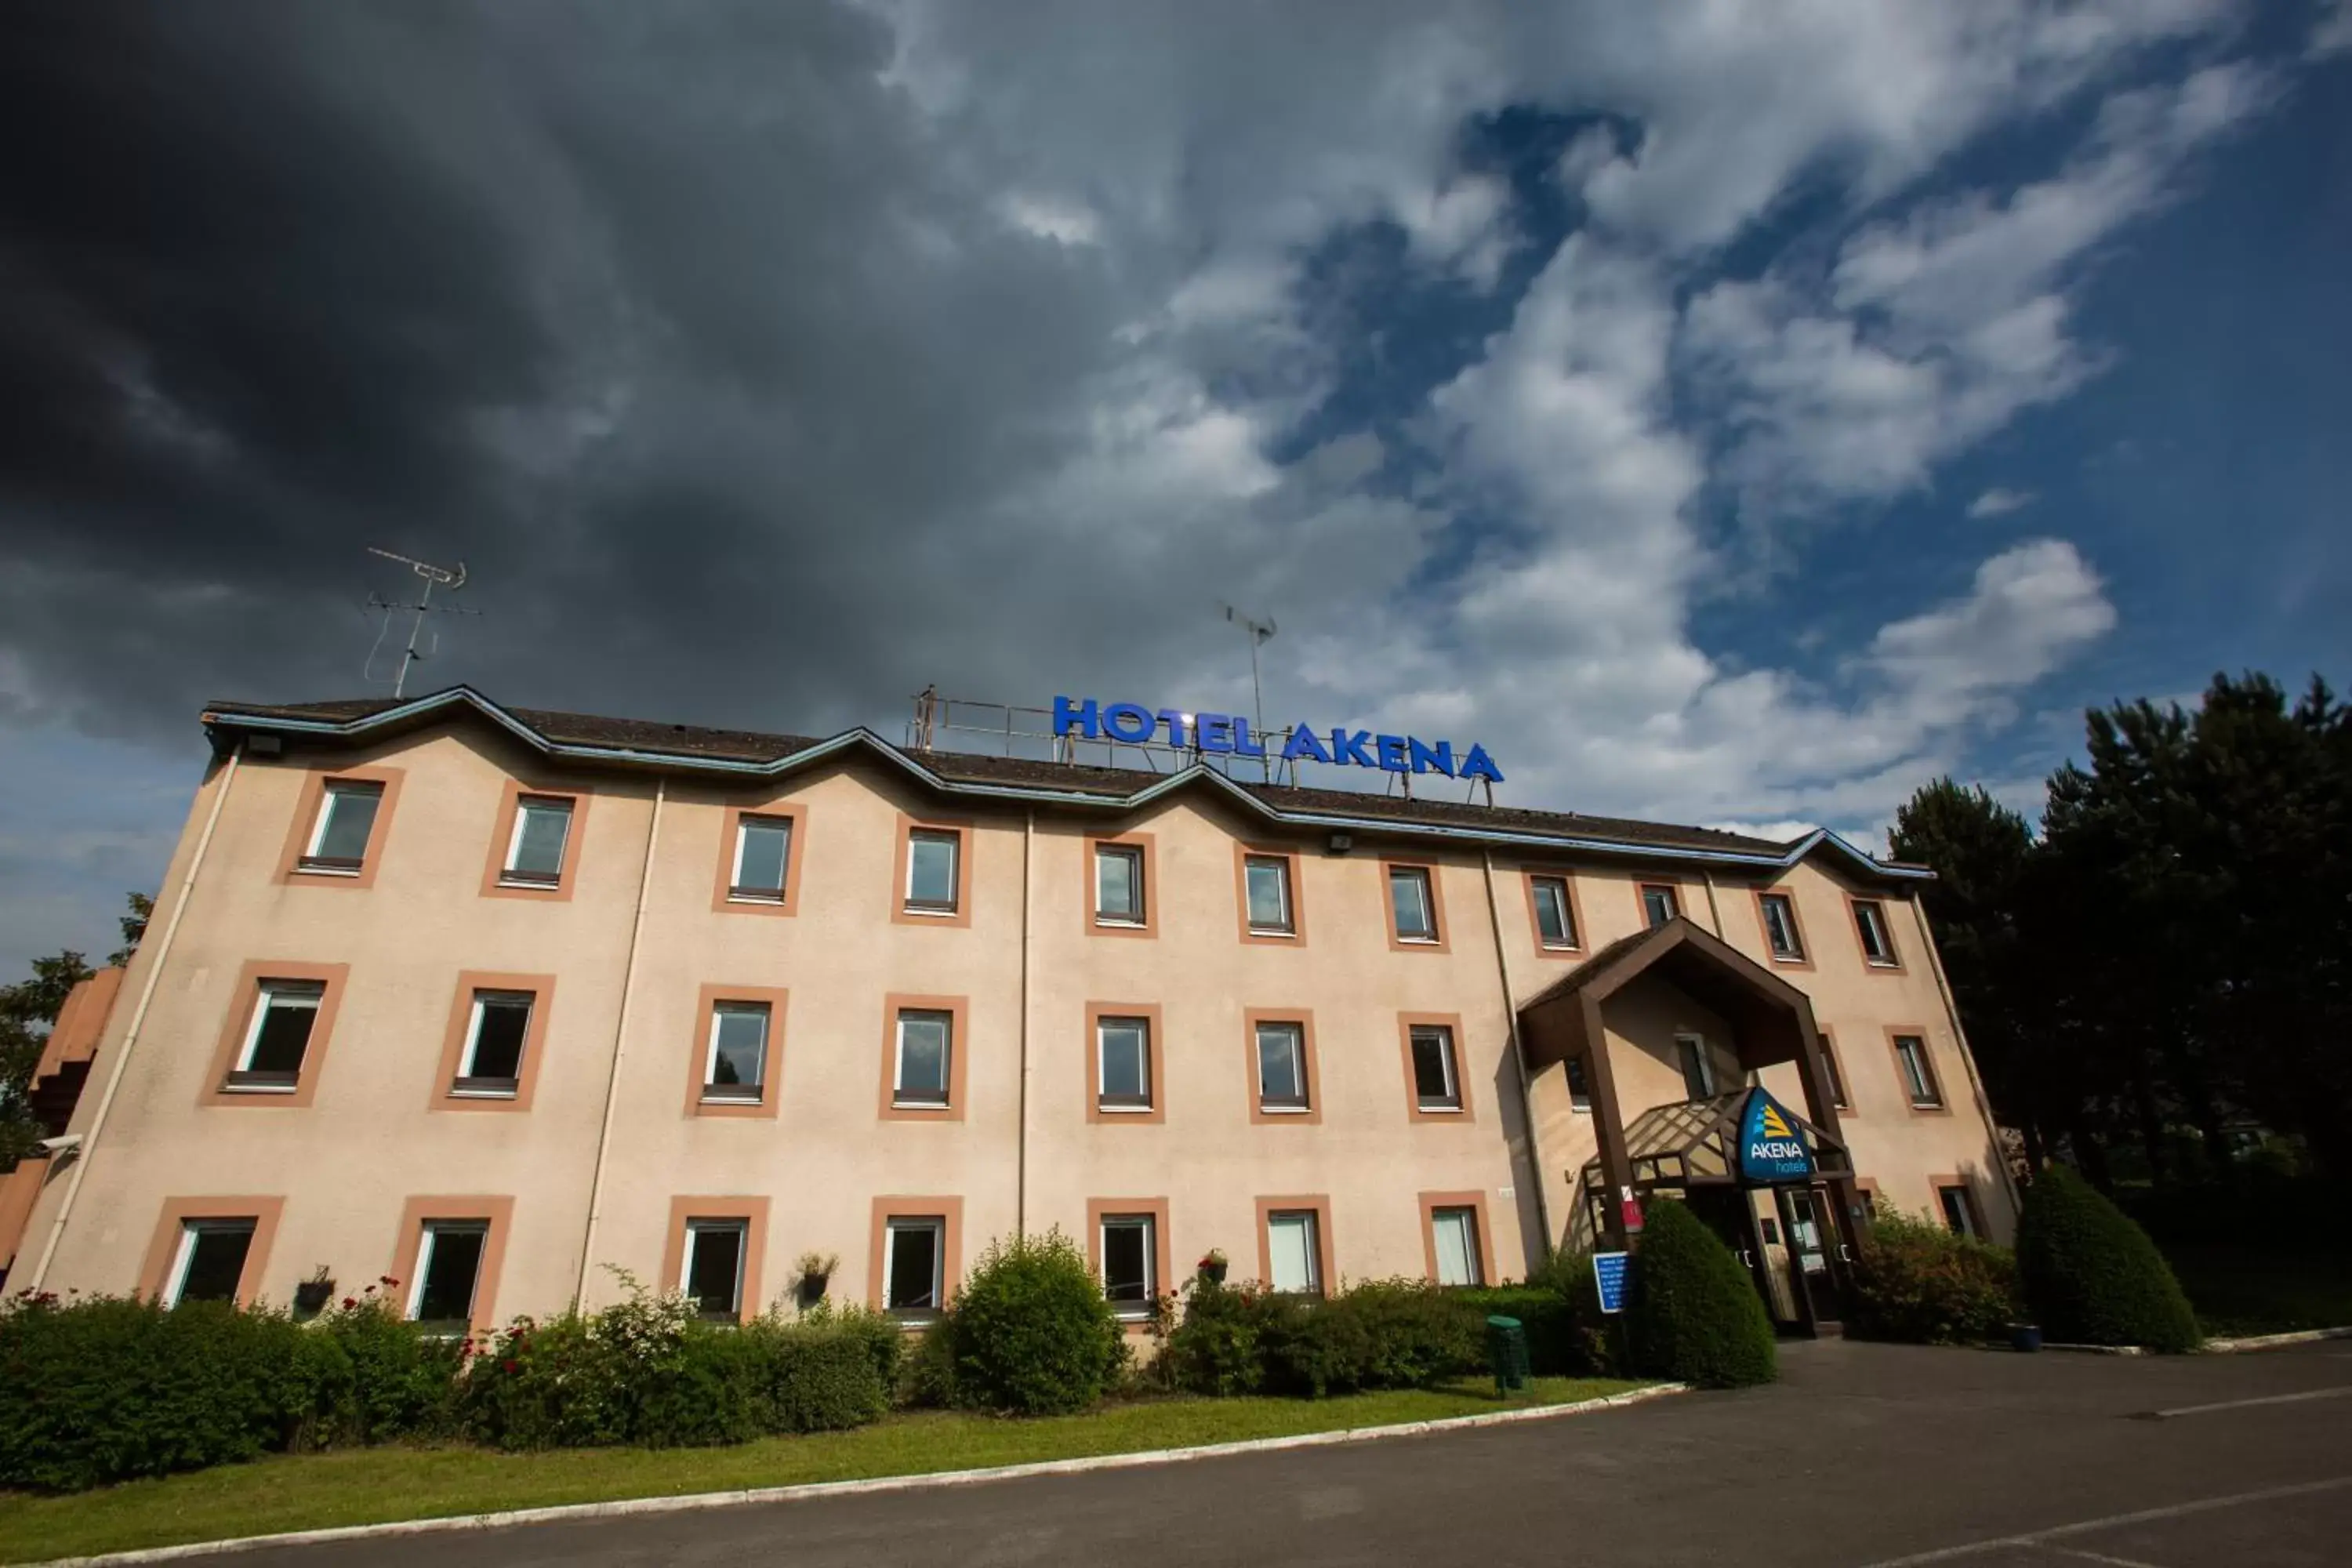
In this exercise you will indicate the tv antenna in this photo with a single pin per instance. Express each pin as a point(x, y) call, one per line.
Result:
point(451, 578)
point(1258, 631)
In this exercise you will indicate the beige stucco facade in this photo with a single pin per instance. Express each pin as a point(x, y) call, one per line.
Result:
point(588, 1164)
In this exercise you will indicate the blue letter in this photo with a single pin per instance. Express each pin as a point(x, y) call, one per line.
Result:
point(1391, 751)
point(1303, 745)
point(1424, 760)
point(1175, 722)
point(1216, 731)
point(1128, 721)
point(1243, 745)
point(1479, 765)
point(1347, 748)
point(1069, 716)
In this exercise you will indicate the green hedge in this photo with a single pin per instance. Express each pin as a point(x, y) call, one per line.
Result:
point(1382, 1333)
point(2091, 1276)
point(1917, 1282)
point(1694, 1314)
point(1030, 1330)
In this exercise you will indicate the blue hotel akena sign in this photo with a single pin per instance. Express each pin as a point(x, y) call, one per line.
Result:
point(1229, 735)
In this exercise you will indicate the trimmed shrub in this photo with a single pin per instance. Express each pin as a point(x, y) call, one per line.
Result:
point(1917, 1282)
point(1214, 1350)
point(113, 1388)
point(1695, 1316)
point(2091, 1276)
point(928, 1380)
point(1415, 1333)
point(377, 1376)
point(825, 1377)
point(1032, 1331)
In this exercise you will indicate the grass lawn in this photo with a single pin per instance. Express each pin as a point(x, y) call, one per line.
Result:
point(2240, 1292)
point(370, 1486)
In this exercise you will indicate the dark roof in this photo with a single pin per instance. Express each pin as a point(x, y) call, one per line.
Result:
point(692, 742)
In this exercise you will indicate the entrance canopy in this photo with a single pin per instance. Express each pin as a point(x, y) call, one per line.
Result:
point(1771, 1020)
point(1699, 1142)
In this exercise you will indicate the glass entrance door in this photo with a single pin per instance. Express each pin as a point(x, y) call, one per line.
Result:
point(1811, 1231)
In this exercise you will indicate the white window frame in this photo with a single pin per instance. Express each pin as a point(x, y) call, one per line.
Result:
point(1580, 1102)
point(1103, 1103)
point(302, 995)
point(954, 841)
point(1451, 1104)
point(696, 1229)
point(1133, 854)
point(1787, 904)
point(329, 796)
point(1150, 1225)
point(1673, 903)
point(1958, 1197)
point(1280, 866)
point(1705, 1058)
point(186, 1252)
point(1313, 1226)
point(937, 1226)
point(737, 893)
point(1921, 1084)
point(1870, 929)
point(899, 1059)
point(1468, 1218)
point(1420, 877)
point(509, 873)
point(1297, 1030)
point(482, 999)
point(428, 1239)
point(731, 1093)
point(1558, 888)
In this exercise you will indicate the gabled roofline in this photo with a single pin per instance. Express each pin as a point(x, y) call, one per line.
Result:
point(220, 716)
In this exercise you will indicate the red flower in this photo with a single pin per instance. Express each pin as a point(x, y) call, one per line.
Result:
point(387, 1281)
point(351, 1303)
point(508, 1366)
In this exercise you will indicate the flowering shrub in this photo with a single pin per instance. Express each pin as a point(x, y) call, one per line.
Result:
point(1916, 1281)
point(377, 1376)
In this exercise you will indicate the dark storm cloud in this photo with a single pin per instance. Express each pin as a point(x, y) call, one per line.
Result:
point(673, 324)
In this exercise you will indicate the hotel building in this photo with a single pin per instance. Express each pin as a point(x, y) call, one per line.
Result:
point(487, 999)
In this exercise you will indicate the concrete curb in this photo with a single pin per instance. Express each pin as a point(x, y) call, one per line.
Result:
point(2095, 1350)
point(741, 1498)
point(2272, 1342)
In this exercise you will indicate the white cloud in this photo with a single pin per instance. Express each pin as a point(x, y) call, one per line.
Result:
point(2331, 33)
point(1999, 501)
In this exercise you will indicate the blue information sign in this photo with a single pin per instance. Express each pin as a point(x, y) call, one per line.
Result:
point(1608, 1277)
point(1771, 1150)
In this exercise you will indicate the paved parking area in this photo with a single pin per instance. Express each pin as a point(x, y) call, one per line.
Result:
point(1862, 1457)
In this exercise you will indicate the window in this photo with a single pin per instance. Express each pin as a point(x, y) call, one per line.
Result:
point(1698, 1065)
point(713, 1272)
point(1409, 904)
point(1266, 880)
point(1555, 916)
point(339, 839)
point(491, 1066)
point(1658, 904)
point(284, 1016)
point(1918, 1072)
point(1580, 1088)
point(542, 824)
point(1129, 1255)
point(931, 871)
point(1781, 933)
point(912, 1263)
point(1837, 1074)
point(1454, 1232)
point(1281, 1067)
point(210, 1261)
point(1959, 1214)
point(926, 1045)
point(1435, 1086)
point(737, 1062)
point(448, 1267)
point(763, 854)
point(1119, 885)
point(1123, 1062)
point(1294, 1260)
point(1870, 925)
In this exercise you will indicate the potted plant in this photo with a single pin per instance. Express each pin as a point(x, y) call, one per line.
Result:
point(1212, 1266)
point(815, 1273)
point(311, 1296)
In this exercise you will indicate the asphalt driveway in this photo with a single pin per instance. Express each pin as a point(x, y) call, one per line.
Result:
point(1865, 1455)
